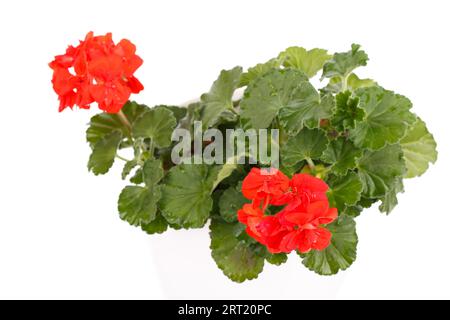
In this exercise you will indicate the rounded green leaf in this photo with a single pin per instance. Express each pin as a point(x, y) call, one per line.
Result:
point(137, 205)
point(158, 225)
point(342, 155)
point(104, 153)
point(419, 149)
point(156, 124)
point(237, 259)
point(343, 63)
point(389, 201)
point(105, 123)
point(273, 91)
point(152, 172)
point(230, 202)
point(352, 211)
point(308, 61)
point(379, 170)
point(257, 71)
point(219, 97)
point(307, 144)
point(348, 112)
point(386, 121)
point(341, 252)
point(344, 190)
point(353, 83)
point(277, 258)
point(178, 112)
point(128, 167)
point(187, 192)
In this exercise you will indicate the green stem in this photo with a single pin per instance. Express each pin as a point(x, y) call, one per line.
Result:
point(122, 158)
point(344, 80)
point(311, 164)
point(152, 148)
point(236, 102)
point(123, 118)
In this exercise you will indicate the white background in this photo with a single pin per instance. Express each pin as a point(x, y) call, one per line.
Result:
point(60, 234)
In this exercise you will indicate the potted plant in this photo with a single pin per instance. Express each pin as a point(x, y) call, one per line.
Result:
point(330, 153)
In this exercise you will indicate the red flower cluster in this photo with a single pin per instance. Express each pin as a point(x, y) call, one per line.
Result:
point(97, 70)
point(300, 224)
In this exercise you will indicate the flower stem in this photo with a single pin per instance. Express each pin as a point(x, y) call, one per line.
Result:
point(152, 148)
point(311, 164)
point(123, 118)
point(344, 80)
point(122, 158)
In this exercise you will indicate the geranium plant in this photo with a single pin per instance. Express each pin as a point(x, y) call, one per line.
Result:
point(342, 148)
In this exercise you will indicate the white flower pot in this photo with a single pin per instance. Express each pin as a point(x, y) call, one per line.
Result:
point(187, 271)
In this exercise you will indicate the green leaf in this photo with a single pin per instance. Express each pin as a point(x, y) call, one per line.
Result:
point(153, 172)
point(352, 211)
point(104, 153)
point(353, 83)
point(178, 112)
point(342, 155)
point(104, 123)
point(138, 205)
point(220, 96)
point(355, 210)
point(137, 178)
point(224, 171)
point(128, 167)
point(257, 71)
point(307, 144)
point(307, 112)
point(389, 201)
point(340, 254)
point(348, 112)
point(271, 92)
point(158, 225)
point(187, 192)
point(292, 169)
point(308, 61)
point(344, 190)
point(193, 113)
point(386, 121)
point(230, 202)
point(379, 170)
point(156, 124)
point(419, 149)
point(234, 257)
point(276, 258)
point(343, 63)
point(366, 202)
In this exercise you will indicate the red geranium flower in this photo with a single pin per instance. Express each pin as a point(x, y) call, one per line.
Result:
point(265, 185)
point(304, 189)
point(305, 227)
point(97, 70)
point(264, 229)
point(300, 225)
point(252, 217)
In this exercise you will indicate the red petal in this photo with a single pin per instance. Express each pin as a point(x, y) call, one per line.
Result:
point(262, 183)
point(297, 217)
point(308, 182)
point(111, 97)
point(328, 217)
point(318, 209)
point(289, 242)
point(135, 85)
point(248, 211)
point(323, 239)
